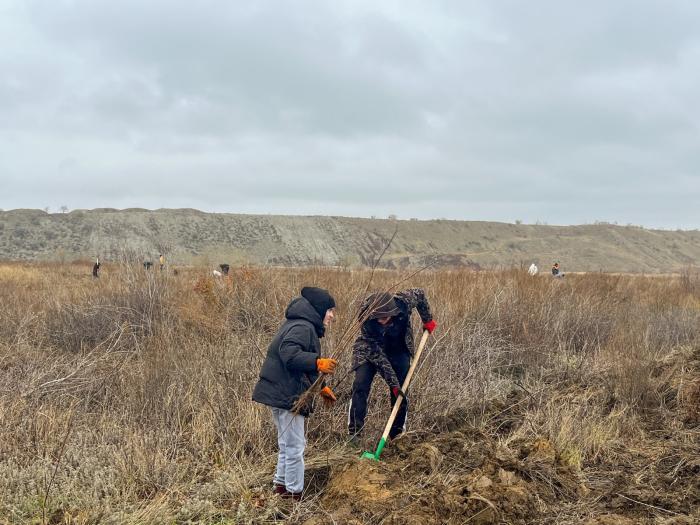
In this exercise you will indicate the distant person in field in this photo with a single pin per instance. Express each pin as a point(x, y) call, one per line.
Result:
point(96, 268)
point(385, 346)
point(161, 261)
point(224, 270)
point(556, 272)
point(533, 269)
point(291, 366)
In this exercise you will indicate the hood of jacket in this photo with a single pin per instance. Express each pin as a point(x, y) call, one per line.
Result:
point(300, 308)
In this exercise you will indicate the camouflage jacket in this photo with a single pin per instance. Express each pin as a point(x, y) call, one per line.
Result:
point(375, 340)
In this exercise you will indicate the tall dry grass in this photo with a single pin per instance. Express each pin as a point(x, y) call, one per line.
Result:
point(127, 399)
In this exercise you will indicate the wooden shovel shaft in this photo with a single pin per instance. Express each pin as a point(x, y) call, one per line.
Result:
point(404, 387)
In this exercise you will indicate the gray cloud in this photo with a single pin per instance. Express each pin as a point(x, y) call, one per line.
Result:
point(558, 112)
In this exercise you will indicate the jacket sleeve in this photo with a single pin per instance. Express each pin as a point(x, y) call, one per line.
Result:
point(294, 350)
point(415, 298)
point(367, 349)
point(379, 360)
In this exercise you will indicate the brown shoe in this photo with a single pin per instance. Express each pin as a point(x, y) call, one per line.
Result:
point(277, 488)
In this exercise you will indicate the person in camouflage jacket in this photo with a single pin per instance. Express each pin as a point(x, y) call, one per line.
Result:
point(385, 346)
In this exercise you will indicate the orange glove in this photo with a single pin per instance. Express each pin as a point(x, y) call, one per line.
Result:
point(328, 396)
point(326, 365)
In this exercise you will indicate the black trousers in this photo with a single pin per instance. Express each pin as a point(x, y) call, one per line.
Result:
point(361, 386)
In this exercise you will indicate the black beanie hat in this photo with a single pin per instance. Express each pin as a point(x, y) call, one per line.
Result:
point(319, 298)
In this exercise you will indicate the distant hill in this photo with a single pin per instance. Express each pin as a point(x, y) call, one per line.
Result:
point(189, 236)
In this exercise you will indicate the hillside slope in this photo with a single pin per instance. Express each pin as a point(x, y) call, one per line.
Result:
point(190, 236)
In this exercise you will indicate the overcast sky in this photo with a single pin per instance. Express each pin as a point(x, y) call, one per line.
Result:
point(555, 111)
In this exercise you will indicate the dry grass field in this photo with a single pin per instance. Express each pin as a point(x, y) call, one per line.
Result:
point(540, 401)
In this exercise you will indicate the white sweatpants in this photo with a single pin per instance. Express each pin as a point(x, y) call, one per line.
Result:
point(292, 442)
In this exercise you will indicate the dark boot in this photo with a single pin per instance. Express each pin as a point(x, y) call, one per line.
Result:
point(354, 441)
point(278, 489)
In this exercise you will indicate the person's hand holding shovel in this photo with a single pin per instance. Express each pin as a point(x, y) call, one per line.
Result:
point(396, 391)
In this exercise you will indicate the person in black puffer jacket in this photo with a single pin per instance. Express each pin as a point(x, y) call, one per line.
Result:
point(292, 364)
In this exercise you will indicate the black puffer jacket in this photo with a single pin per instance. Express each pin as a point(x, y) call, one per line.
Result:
point(290, 365)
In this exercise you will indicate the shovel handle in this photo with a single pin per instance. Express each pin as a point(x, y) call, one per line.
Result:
point(404, 387)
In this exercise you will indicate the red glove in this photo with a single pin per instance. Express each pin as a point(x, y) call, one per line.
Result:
point(430, 326)
point(397, 392)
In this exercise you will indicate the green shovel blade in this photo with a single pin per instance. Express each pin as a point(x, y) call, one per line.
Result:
point(374, 455)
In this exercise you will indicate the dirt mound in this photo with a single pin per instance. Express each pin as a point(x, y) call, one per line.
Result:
point(456, 477)
point(461, 474)
point(502, 473)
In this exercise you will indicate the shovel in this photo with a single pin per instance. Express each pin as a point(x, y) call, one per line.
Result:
point(375, 455)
